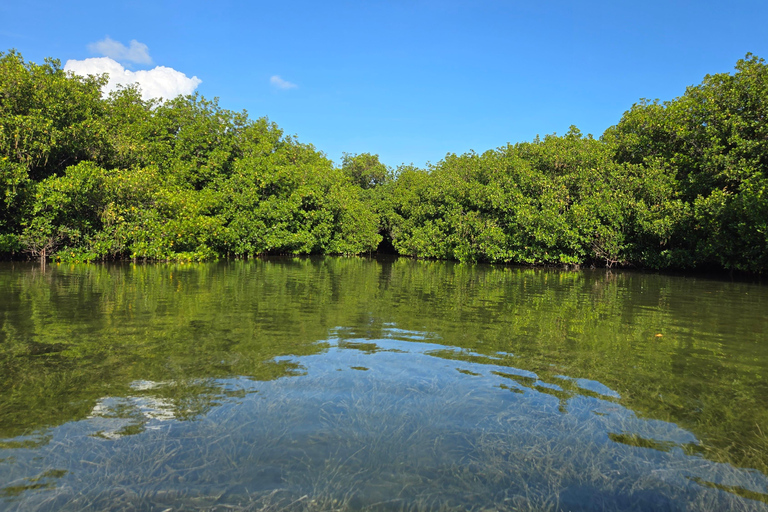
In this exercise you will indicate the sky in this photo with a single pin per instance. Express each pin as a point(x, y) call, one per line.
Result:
point(409, 80)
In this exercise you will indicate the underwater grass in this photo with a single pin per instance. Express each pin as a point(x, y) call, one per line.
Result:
point(411, 433)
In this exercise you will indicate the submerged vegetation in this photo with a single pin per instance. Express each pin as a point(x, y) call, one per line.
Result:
point(379, 384)
point(679, 184)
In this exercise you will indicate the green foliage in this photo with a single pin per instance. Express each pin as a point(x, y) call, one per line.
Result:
point(561, 200)
point(712, 142)
point(64, 211)
point(50, 119)
point(365, 170)
point(148, 217)
point(679, 184)
point(285, 197)
point(84, 177)
point(194, 141)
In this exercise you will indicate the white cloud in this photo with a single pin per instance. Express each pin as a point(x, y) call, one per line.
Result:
point(282, 84)
point(160, 82)
point(135, 52)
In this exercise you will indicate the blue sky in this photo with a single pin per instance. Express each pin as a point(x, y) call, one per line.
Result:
point(410, 80)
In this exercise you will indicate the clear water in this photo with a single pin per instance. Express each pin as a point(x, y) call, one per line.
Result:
point(355, 384)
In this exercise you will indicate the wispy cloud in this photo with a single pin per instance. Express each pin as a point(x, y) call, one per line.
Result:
point(160, 82)
point(278, 82)
point(135, 51)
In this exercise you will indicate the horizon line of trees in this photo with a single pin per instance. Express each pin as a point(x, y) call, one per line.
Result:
point(679, 184)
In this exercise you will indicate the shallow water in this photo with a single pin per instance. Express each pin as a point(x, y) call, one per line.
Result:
point(349, 384)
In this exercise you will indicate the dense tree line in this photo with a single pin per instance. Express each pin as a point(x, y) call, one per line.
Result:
point(679, 184)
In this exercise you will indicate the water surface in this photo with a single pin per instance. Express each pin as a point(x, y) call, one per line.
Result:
point(354, 384)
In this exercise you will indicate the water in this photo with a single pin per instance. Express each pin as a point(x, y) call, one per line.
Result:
point(355, 384)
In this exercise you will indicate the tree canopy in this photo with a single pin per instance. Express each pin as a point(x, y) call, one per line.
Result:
point(675, 184)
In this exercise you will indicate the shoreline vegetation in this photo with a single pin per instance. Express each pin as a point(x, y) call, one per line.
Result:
point(680, 184)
